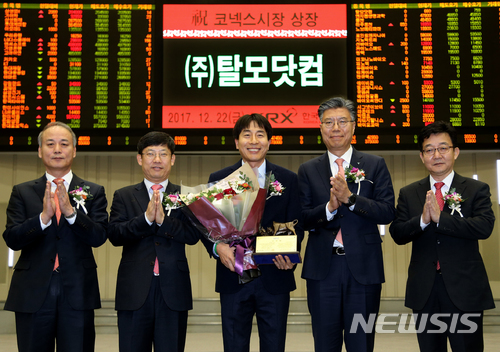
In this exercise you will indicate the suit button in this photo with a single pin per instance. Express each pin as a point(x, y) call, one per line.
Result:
point(52, 260)
point(58, 238)
point(341, 216)
point(152, 263)
point(157, 243)
point(438, 242)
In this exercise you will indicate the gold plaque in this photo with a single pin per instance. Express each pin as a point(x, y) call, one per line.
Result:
point(276, 244)
point(268, 247)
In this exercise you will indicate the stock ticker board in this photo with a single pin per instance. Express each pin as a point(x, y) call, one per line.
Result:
point(88, 65)
point(414, 63)
point(115, 71)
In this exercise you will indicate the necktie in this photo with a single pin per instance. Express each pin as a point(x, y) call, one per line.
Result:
point(340, 162)
point(156, 268)
point(56, 200)
point(439, 195)
point(58, 216)
point(440, 200)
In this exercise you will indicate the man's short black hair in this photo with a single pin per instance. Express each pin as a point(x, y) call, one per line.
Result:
point(156, 138)
point(435, 128)
point(245, 121)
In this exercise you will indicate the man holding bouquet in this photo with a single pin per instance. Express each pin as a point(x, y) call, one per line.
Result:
point(153, 290)
point(264, 291)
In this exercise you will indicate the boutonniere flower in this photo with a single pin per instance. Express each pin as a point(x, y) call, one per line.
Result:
point(275, 187)
point(171, 201)
point(353, 174)
point(80, 195)
point(453, 199)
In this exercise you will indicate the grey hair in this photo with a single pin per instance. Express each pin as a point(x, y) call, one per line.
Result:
point(336, 103)
point(59, 124)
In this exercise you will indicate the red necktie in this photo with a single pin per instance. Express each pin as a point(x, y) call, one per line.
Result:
point(339, 162)
point(440, 200)
point(156, 269)
point(58, 215)
point(439, 195)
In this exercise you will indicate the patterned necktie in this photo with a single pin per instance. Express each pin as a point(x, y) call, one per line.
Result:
point(439, 195)
point(440, 200)
point(58, 216)
point(156, 268)
point(340, 162)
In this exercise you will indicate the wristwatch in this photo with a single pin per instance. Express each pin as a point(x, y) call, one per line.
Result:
point(72, 215)
point(351, 200)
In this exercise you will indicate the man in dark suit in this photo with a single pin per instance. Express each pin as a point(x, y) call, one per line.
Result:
point(446, 273)
point(153, 290)
point(267, 294)
point(54, 289)
point(343, 261)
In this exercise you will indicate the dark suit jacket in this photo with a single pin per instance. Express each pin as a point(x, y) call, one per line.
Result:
point(454, 242)
point(73, 243)
point(362, 242)
point(143, 243)
point(284, 208)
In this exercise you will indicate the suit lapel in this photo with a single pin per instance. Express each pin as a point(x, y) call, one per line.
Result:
point(423, 186)
point(270, 167)
point(142, 196)
point(75, 182)
point(459, 183)
point(357, 161)
point(324, 171)
point(39, 187)
point(170, 188)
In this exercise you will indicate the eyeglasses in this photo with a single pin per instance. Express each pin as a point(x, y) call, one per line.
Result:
point(442, 150)
point(153, 155)
point(330, 123)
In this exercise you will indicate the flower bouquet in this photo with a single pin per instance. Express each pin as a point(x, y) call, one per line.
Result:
point(230, 211)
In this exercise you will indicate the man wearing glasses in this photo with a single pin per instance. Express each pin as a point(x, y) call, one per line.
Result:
point(153, 289)
point(341, 209)
point(447, 286)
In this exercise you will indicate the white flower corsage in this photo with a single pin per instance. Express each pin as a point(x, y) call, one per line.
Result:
point(275, 187)
point(171, 201)
point(453, 199)
point(80, 195)
point(353, 174)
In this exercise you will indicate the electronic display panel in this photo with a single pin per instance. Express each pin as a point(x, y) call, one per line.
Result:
point(224, 61)
point(88, 65)
point(414, 63)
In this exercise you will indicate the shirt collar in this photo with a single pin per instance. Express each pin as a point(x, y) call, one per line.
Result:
point(149, 184)
point(67, 179)
point(447, 182)
point(261, 173)
point(261, 169)
point(346, 156)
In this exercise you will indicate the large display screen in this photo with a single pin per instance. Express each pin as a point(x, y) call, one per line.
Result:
point(414, 63)
point(224, 61)
point(115, 71)
point(88, 65)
